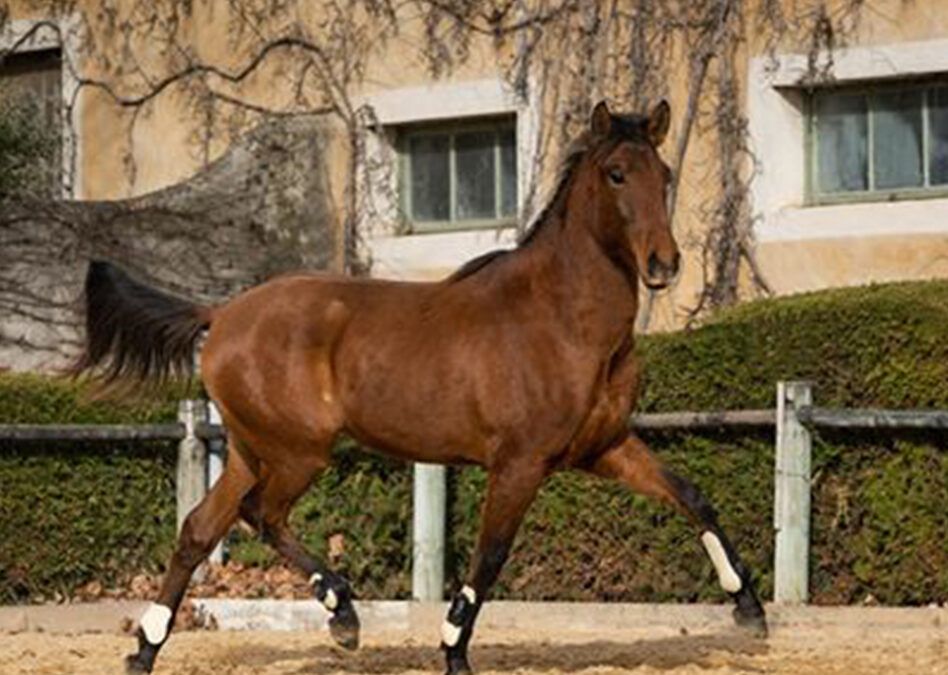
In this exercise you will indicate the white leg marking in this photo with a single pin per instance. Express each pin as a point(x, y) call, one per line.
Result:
point(450, 634)
point(154, 623)
point(331, 601)
point(727, 577)
point(470, 594)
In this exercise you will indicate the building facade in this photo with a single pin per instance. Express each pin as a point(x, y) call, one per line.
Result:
point(848, 176)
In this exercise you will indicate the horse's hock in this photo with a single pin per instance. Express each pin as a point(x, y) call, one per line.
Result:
point(262, 208)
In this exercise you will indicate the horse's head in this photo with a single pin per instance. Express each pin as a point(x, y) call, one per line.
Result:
point(632, 185)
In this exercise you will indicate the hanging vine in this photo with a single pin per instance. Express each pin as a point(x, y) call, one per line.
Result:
point(558, 56)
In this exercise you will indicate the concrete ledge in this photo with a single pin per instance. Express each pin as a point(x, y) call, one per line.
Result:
point(425, 618)
point(92, 617)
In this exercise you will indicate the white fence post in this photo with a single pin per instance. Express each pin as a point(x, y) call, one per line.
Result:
point(792, 495)
point(215, 467)
point(428, 524)
point(190, 486)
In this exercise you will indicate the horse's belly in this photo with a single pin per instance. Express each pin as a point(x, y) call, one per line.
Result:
point(434, 410)
point(415, 429)
point(413, 415)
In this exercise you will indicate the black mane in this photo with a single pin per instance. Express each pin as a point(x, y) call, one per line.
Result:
point(475, 264)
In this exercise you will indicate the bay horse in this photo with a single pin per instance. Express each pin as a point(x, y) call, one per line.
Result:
point(521, 362)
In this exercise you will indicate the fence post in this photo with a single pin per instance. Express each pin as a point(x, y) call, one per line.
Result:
point(428, 524)
point(792, 495)
point(215, 467)
point(191, 485)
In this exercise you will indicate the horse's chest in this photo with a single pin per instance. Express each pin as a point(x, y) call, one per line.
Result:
point(611, 404)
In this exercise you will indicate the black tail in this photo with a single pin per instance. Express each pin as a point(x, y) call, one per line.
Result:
point(136, 334)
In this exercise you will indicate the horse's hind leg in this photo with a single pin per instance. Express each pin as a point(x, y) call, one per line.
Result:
point(632, 463)
point(510, 491)
point(203, 528)
point(267, 508)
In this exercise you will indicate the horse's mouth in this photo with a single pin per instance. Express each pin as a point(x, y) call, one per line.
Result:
point(657, 285)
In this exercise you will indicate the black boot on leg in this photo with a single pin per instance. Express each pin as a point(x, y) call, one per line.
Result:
point(153, 629)
point(735, 579)
point(457, 629)
point(336, 595)
point(144, 659)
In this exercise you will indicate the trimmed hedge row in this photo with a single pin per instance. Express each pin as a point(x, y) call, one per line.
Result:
point(879, 516)
point(71, 513)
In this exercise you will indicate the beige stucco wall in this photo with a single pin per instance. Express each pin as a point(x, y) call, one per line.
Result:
point(799, 266)
point(165, 149)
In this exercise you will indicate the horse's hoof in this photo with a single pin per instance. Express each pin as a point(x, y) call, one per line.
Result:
point(458, 666)
point(134, 663)
point(344, 628)
point(752, 621)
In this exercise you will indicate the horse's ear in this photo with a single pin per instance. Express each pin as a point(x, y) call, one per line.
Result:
point(601, 120)
point(658, 122)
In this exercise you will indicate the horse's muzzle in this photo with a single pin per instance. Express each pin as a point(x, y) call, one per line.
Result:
point(661, 273)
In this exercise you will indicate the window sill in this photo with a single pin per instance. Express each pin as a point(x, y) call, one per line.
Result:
point(435, 254)
point(879, 196)
point(856, 219)
point(459, 226)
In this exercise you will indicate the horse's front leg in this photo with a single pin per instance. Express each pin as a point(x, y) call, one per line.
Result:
point(510, 491)
point(632, 463)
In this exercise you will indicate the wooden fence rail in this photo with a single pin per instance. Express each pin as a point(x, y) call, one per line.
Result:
point(685, 421)
point(837, 418)
point(171, 431)
point(198, 435)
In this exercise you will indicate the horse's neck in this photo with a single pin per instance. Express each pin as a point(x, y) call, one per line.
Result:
point(595, 296)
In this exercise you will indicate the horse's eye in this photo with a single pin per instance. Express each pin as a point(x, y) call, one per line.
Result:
point(616, 176)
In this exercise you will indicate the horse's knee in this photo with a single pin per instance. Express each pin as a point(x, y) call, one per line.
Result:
point(195, 542)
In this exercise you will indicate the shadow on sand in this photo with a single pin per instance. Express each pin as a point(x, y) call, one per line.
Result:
point(662, 654)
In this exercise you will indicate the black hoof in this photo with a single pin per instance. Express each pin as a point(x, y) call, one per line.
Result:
point(144, 660)
point(344, 627)
point(458, 665)
point(753, 621)
point(135, 663)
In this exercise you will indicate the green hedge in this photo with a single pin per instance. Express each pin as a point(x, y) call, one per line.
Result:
point(879, 515)
point(71, 513)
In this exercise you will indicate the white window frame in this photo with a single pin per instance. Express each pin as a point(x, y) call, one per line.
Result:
point(433, 254)
point(777, 121)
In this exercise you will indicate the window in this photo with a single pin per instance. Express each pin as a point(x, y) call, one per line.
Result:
point(878, 143)
point(459, 176)
point(33, 78)
point(30, 111)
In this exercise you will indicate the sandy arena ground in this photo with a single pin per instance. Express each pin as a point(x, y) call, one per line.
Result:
point(520, 652)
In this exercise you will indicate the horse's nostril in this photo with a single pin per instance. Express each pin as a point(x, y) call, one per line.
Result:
point(657, 268)
point(654, 265)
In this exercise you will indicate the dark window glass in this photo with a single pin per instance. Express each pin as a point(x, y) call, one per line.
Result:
point(842, 144)
point(430, 177)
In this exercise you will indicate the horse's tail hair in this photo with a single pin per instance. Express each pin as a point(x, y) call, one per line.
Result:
point(135, 334)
